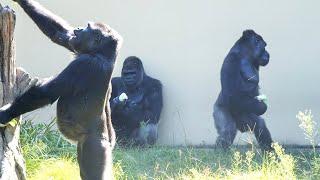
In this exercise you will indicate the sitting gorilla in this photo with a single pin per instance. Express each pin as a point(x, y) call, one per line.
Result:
point(240, 105)
point(136, 104)
point(82, 89)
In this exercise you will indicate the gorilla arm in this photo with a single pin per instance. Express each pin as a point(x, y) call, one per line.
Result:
point(115, 101)
point(248, 73)
point(155, 103)
point(247, 104)
point(46, 92)
point(51, 25)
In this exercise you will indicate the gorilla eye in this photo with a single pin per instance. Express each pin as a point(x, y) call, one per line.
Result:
point(98, 38)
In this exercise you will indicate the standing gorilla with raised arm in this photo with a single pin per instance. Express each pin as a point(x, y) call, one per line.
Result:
point(136, 104)
point(240, 105)
point(82, 89)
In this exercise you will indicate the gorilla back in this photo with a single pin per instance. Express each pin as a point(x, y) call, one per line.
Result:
point(83, 89)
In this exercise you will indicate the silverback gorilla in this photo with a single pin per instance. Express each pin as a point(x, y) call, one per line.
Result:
point(82, 89)
point(240, 105)
point(136, 116)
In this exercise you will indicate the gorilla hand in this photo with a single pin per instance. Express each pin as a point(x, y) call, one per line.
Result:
point(262, 97)
point(123, 97)
point(121, 100)
point(17, 1)
point(4, 115)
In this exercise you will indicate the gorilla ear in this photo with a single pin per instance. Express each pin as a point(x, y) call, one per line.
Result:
point(90, 25)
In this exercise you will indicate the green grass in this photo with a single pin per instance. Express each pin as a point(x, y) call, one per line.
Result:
point(49, 156)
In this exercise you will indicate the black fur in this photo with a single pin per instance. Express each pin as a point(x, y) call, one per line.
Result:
point(144, 104)
point(237, 106)
point(82, 89)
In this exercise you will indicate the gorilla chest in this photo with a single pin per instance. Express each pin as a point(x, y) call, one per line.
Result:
point(135, 105)
point(135, 99)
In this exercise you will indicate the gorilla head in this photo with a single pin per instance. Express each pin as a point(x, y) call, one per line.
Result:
point(252, 45)
point(95, 38)
point(132, 72)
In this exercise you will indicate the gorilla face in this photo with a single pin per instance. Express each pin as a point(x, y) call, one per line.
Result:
point(83, 39)
point(132, 73)
point(254, 43)
point(94, 37)
point(257, 45)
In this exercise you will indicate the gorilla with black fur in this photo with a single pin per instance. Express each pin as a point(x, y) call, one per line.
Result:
point(136, 104)
point(82, 89)
point(240, 105)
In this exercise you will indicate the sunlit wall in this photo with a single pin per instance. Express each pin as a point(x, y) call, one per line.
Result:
point(183, 43)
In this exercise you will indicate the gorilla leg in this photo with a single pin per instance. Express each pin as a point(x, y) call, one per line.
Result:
point(152, 133)
point(122, 135)
point(256, 124)
point(38, 95)
point(225, 126)
point(262, 134)
point(79, 156)
point(92, 158)
point(146, 135)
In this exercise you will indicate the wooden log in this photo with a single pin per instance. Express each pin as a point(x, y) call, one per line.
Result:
point(14, 81)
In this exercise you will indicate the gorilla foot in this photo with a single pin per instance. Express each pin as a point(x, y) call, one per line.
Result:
point(266, 148)
point(223, 143)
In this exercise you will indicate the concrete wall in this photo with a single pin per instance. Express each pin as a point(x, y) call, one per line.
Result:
point(183, 43)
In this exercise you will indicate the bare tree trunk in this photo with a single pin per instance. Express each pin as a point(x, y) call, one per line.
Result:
point(14, 81)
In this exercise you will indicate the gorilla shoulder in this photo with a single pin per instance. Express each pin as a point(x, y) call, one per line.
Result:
point(152, 84)
point(116, 81)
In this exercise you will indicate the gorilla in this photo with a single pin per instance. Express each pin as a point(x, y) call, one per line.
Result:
point(82, 89)
point(136, 104)
point(240, 105)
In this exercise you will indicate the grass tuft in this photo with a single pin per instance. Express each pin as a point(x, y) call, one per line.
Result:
point(49, 156)
point(57, 169)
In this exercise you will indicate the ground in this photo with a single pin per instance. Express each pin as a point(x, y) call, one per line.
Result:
point(49, 156)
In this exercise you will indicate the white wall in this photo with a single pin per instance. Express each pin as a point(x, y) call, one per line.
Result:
point(183, 43)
